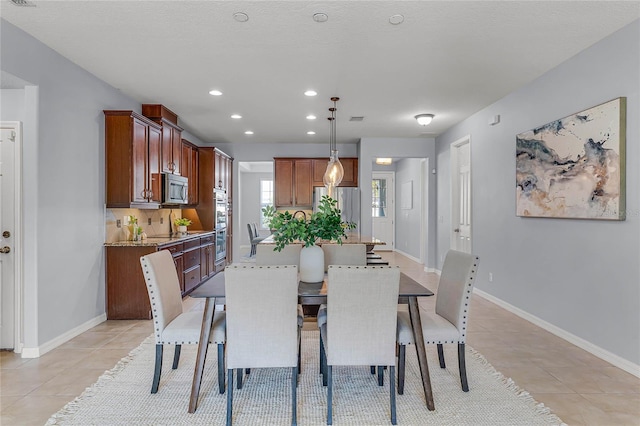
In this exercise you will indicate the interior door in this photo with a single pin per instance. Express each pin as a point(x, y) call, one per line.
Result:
point(461, 195)
point(383, 209)
point(9, 138)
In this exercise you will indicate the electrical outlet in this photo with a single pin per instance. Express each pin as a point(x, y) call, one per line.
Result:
point(490, 277)
point(119, 223)
point(149, 221)
point(161, 220)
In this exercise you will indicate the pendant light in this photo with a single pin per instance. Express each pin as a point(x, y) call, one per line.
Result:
point(335, 172)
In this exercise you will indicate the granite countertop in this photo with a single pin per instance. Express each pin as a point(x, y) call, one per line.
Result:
point(158, 240)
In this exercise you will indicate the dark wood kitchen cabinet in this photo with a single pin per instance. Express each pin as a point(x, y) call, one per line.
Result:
point(349, 164)
point(190, 169)
point(132, 160)
point(171, 148)
point(293, 182)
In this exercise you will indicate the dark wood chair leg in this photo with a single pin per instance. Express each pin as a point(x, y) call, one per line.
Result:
point(230, 396)
point(157, 370)
point(176, 357)
point(329, 396)
point(239, 378)
point(247, 371)
point(221, 368)
point(380, 375)
point(373, 369)
point(294, 396)
point(441, 356)
point(463, 368)
point(402, 352)
point(392, 392)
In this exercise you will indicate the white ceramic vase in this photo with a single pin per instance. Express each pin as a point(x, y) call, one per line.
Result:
point(312, 264)
point(182, 229)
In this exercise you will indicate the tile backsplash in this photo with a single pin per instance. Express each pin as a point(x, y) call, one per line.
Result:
point(114, 233)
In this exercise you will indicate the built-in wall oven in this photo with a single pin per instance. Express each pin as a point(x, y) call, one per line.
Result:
point(221, 224)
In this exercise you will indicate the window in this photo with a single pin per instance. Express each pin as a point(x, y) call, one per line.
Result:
point(266, 199)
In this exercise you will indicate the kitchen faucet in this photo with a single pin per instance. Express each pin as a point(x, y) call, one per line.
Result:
point(304, 215)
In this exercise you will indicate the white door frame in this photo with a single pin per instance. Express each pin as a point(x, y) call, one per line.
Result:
point(16, 248)
point(455, 192)
point(424, 210)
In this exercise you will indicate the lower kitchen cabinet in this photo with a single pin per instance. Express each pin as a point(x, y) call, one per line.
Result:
point(126, 291)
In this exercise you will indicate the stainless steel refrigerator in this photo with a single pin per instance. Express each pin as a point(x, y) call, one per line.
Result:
point(348, 203)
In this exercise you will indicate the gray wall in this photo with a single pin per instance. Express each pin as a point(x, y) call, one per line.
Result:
point(63, 185)
point(579, 275)
point(408, 220)
point(397, 148)
point(249, 206)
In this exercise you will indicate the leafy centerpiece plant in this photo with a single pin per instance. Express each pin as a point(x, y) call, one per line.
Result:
point(325, 224)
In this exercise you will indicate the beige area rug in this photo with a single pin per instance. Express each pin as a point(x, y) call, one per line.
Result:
point(122, 395)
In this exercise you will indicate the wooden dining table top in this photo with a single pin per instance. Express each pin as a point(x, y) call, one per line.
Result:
point(311, 293)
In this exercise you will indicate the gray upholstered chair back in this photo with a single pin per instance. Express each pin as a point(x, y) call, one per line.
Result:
point(290, 255)
point(455, 288)
point(164, 289)
point(362, 315)
point(344, 254)
point(262, 316)
point(251, 234)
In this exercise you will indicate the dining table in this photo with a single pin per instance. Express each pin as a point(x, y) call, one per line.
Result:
point(310, 294)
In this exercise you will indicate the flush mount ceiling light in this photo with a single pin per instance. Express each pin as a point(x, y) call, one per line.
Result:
point(215, 92)
point(396, 19)
point(310, 93)
point(335, 172)
point(311, 117)
point(424, 119)
point(236, 116)
point(241, 17)
point(320, 17)
point(383, 161)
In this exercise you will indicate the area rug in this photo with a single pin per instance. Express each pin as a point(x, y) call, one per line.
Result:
point(122, 396)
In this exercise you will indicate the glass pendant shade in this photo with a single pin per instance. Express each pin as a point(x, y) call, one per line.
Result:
point(335, 172)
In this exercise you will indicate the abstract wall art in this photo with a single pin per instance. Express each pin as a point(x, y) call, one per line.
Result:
point(574, 167)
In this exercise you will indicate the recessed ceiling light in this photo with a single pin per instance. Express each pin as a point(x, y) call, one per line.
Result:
point(396, 19)
point(248, 132)
point(320, 17)
point(236, 116)
point(215, 92)
point(310, 93)
point(311, 132)
point(241, 17)
point(311, 117)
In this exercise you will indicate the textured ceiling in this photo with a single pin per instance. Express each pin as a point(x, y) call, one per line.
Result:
point(449, 58)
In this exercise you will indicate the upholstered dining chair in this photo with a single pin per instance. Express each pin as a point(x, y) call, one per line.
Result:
point(170, 323)
point(262, 324)
point(289, 255)
point(361, 323)
point(448, 322)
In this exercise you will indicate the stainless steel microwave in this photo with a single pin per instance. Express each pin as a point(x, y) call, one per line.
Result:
point(175, 189)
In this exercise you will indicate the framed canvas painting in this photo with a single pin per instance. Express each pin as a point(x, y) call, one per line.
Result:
point(574, 167)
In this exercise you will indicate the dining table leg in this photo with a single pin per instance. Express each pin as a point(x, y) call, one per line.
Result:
point(203, 344)
point(416, 324)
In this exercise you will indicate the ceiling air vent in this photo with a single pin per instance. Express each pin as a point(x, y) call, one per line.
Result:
point(23, 3)
point(356, 119)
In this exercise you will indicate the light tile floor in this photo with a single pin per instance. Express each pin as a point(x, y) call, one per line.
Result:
point(579, 387)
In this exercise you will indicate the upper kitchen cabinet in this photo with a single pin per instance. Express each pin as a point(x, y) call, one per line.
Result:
point(222, 170)
point(350, 166)
point(132, 156)
point(293, 184)
point(190, 168)
point(171, 151)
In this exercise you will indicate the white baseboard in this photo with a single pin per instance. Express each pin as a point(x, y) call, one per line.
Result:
point(63, 338)
point(601, 353)
point(415, 259)
point(434, 270)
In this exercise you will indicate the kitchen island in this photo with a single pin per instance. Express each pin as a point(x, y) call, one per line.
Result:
point(126, 292)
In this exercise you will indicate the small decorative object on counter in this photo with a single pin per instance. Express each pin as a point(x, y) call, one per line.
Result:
point(182, 224)
point(133, 228)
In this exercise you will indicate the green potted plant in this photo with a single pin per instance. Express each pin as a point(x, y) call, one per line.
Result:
point(325, 224)
point(182, 224)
